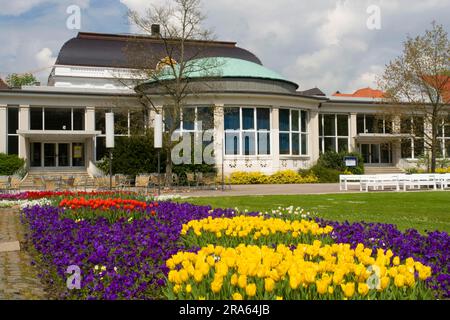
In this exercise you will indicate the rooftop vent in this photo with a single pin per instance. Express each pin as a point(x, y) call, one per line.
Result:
point(156, 30)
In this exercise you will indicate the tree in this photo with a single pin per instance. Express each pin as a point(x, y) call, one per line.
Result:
point(169, 69)
point(417, 84)
point(15, 80)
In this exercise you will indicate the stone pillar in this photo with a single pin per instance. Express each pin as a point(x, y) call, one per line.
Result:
point(314, 136)
point(353, 127)
point(275, 139)
point(24, 124)
point(3, 128)
point(89, 120)
point(89, 125)
point(219, 137)
point(396, 152)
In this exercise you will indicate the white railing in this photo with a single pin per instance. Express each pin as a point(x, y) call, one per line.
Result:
point(395, 181)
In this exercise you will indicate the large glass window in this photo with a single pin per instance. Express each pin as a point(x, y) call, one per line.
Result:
point(13, 126)
point(57, 119)
point(293, 132)
point(414, 147)
point(333, 132)
point(247, 131)
point(444, 137)
point(373, 124)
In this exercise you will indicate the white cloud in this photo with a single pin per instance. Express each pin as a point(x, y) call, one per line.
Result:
point(45, 58)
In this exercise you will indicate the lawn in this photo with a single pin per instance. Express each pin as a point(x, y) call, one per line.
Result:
point(424, 211)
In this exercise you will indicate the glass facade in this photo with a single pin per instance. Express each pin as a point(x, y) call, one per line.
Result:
point(414, 147)
point(333, 132)
point(13, 126)
point(293, 132)
point(57, 119)
point(247, 131)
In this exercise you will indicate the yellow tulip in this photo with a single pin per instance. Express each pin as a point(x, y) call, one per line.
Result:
point(330, 290)
point(396, 261)
point(234, 279)
point(250, 290)
point(242, 281)
point(269, 284)
point(363, 288)
point(294, 282)
point(216, 286)
point(237, 296)
point(188, 288)
point(348, 289)
point(384, 282)
point(278, 298)
point(322, 287)
point(399, 280)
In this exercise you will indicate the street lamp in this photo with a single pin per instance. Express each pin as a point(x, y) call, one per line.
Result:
point(158, 143)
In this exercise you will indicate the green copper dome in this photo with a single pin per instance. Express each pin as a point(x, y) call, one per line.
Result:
point(222, 68)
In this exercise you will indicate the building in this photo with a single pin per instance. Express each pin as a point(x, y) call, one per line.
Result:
point(262, 121)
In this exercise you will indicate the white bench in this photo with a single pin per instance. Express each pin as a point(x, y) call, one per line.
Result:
point(381, 181)
point(416, 181)
point(349, 180)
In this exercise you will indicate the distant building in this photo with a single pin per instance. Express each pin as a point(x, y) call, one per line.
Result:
point(262, 121)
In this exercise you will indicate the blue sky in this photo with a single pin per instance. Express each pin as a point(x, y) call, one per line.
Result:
point(315, 43)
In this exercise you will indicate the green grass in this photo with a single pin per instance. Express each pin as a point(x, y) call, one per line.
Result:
point(424, 211)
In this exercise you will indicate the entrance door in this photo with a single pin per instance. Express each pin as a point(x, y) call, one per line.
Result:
point(376, 153)
point(63, 155)
point(50, 155)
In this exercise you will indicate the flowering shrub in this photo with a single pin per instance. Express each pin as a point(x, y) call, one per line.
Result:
point(29, 195)
point(282, 177)
point(256, 230)
point(308, 272)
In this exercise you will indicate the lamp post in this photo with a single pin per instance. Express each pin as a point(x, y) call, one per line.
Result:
point(158, 144)
point(109, 130)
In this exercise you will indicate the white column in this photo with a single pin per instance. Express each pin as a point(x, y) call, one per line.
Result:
point(90, 119)
point(275, 139)
point(353, 131)
point(219, 136)
point(89, 125)
point(314, 135)
point(24, 124)
point(3, 128)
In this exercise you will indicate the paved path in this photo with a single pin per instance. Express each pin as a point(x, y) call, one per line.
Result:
point(257, 190)
point(18, 279)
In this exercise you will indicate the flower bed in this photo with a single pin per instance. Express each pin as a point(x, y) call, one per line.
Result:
point(126, 247)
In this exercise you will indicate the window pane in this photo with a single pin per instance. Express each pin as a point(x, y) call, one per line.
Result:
point(419, 148)
point(263, 118)
point(249, 143)
point(295, 126)
point(248, 119)
point(370, 124)
point(405, 126)
point(295, 144)
point(188, 119)
point(58, 119)
point(305, 144)
point(419, 126)
point(304, 116)
point(171, 119)
point(100, 149)
point(284, 143)
point(284, 120)
point(329, 125)
point(232, 119)
point(406, 149)
point(137, 121)
point(379, 126)
point(321, 145)
point(232, 143)
point(447, 148)
point(206, 116)
point(388, 126)
point(342, 145)
point(13, 145)
point(36, 118)
point(263, 143)
point(342, 125)
point(320, 125)
point(13, 120)
point(360, 124)
point(330, 144)
point(36, 154)
point(121, 122)
point(100, 121)
point(78, 119)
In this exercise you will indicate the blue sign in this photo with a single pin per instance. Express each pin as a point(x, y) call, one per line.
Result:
point(351, 161)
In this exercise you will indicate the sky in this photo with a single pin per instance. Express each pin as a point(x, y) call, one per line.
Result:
point(329, 44)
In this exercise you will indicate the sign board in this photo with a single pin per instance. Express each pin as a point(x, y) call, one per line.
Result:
point(351, 161)
point(109, 128)
point(78, 152)
point(158, 136)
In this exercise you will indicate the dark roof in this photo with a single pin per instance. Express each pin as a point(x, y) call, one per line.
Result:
point(124, 51)
point(3, 84)
point(313, 92)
